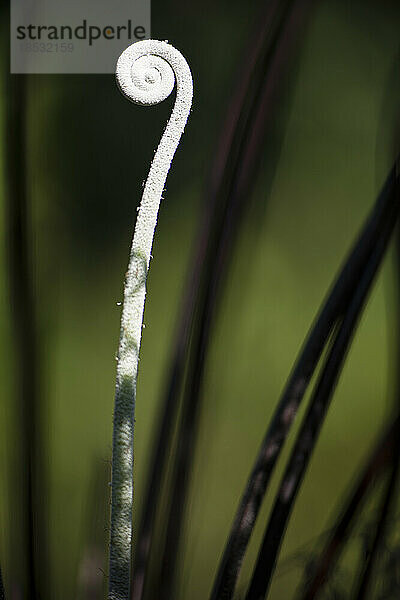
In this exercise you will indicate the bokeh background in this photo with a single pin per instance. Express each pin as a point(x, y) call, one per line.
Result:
point(88, 151)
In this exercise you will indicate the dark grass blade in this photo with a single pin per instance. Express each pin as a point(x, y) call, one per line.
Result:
point(30, 471)
point(341, 531)
point(390, 493)
point(249, 152)
point(294, 392)
point(315, 416)
point(218, 202)
point(382, 454)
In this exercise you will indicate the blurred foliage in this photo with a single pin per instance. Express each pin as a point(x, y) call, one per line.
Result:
point(89, 151)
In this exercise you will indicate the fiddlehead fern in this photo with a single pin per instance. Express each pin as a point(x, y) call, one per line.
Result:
point(146, 73)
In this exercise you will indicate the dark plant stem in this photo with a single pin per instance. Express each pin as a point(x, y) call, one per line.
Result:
point(235, 143)
point(160, 455)
point(32, 554)
point(294, 392)
point(208, 234)
point(274, 64)
point(329, 556)
point(390, 493)
point(22, 307)
point(315, 416)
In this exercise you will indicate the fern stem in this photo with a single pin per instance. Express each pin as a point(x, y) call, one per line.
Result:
point(146, 73)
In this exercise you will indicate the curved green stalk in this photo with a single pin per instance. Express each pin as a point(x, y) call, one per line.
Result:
point(146, 73)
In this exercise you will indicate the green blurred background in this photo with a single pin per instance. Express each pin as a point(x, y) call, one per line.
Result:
point(88, 153)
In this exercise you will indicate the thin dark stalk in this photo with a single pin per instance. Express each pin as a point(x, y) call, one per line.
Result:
point(314, 419)
point(32, 554)
point(23, 317)
point(274, 65)
point(227, 159)
point(294, 392)
point(207, 235)
point(160, 456)
point(341, 531)
point(390, 493)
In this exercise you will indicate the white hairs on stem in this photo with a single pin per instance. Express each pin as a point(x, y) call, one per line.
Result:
point(146, 74)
